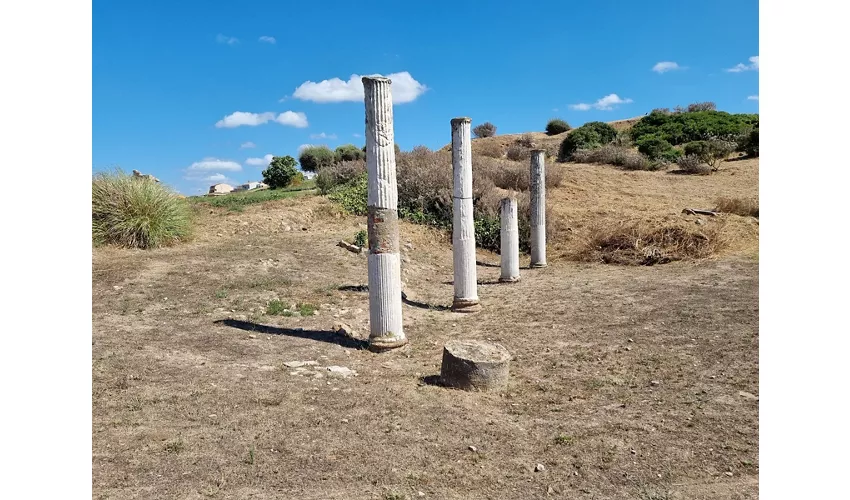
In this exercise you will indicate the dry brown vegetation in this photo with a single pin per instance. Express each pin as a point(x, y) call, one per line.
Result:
point(627, 381)
point(739, 206)
point(642, 242)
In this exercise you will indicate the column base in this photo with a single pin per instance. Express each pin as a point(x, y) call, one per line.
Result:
point(509, 280)
point(466, 305)
point(538, 265)
point(382, 344)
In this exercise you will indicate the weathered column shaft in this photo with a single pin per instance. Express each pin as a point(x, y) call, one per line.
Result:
point(538, 209)
point(463, 224)
point(385, 324)
point(509, 240)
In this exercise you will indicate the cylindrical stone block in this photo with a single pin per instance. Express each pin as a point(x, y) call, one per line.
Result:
point(385, 324)
point(538, 208)
point(463, 224)
point(509, 241)
point(474, 365)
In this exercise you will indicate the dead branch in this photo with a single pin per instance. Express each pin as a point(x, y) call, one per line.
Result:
point(348, 246)
point(696, 211)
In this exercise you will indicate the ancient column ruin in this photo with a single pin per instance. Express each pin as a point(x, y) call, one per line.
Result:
point(385, 325)
point(475, 365)
point(509, 241)
point(463, 224)
point(538, 209)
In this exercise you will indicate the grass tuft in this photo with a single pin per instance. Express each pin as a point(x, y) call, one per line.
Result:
point(134, 212)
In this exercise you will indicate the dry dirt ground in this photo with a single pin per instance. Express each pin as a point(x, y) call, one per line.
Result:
point(626, 382)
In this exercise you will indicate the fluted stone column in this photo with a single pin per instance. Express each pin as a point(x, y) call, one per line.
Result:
point(463, 224)
point(509, 241)
point(538, 209)
point(385, 325)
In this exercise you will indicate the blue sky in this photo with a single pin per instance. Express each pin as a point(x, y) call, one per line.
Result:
point(168, 77)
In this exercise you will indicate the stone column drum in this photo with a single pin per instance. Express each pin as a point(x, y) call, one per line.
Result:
point(538, 209)
point(509, 241)
point(385, 323)
point(463, 224)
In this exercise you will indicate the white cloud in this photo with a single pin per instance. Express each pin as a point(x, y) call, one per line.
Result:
point(323, 136)
point(292, 118)
point(753, 66)
point(753, 97)
point(208, 164)
point(664, 66)
point(268, 39)
point(229, 40)
point(357, 135)
point(247, 145)
point(216, 178)
point(260, 162)
point(239, 118)
point(404, 89)
point(606, 103)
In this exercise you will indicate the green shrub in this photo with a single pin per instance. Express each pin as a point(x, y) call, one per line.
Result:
point(280, 172)
point(656, 148)
point(315, 158)
point(486, 129)
point(751, 143)
point(700, 149)
point(589, 136)
point(606, 132)
point(339, 173)
point(352, 196)
point(488, 232)
point(580, 138)
point(361, 238)
point(679, 128)
point(137, 212)
point(349, 152)
point(557, 126)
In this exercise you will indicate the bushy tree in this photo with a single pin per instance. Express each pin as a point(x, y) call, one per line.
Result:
point(710, 152)
point(314, 158)
point(557, 126)
point(280, 172)
point(486, 129)
point(349, 152)
point(656, 148)
point(589, 136)
point(680, 128)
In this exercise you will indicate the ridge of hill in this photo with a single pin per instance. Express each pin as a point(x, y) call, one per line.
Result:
point(541, 139)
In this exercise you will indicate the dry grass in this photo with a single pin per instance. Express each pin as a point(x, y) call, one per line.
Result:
point(746, 207)
point(619, 156)
point(648, 242)
point(593, 196)
point(627, 381)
